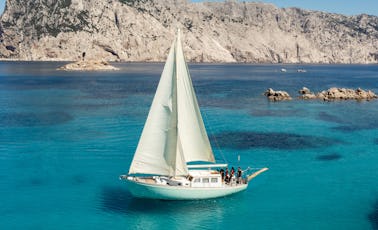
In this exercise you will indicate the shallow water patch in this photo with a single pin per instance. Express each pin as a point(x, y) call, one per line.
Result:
point(78, 179)
point(275, 113)
point(226, 103)
point(93, 107)
point(324, 116)
point(119, 200)
point(357, 127)
point(115, 89)
point(35, 181)
point(288, 141)
point(350, 121)
point(114, 199)
point(34, 119)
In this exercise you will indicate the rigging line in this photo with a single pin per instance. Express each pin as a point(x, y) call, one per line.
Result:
point(214, 137)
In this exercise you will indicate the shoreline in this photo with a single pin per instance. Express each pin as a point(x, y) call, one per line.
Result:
point(205, 63)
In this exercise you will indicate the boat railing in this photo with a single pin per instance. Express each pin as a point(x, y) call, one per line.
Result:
point(205, 166)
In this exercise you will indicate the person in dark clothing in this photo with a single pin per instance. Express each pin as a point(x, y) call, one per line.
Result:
point(227, 179)
point(239, 175)
point(222, 174)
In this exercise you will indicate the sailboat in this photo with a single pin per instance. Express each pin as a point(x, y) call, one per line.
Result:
point(174, 136)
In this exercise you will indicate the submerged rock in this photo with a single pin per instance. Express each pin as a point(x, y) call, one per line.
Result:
point(277, 95)
point(88, 66)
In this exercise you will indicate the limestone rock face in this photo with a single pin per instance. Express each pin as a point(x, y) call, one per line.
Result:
point(273, 95)
point(142, 30)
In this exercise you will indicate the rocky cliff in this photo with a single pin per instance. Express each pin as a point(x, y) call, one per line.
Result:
point(142, 30)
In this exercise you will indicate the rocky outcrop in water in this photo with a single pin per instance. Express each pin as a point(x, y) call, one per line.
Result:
point(326, 95)
point(306, 94)
point(90, 65)
point(346, 94)
point(142, 30)
point(273, 95)
point(338, 94)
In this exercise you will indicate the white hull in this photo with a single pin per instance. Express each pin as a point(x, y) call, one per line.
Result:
point(167, 192)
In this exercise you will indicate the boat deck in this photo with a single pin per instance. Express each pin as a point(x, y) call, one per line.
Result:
point(153, 181)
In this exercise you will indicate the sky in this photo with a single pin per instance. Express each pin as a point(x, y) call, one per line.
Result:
point(2, 4)
point(348, 7)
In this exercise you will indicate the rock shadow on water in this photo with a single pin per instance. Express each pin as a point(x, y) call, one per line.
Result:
point(288, 141)
point(329, 157)
point(34, 119)
point(373, 216)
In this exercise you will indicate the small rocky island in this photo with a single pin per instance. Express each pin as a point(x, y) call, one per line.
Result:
point(338, 94)
point(326, 95)
point(88, 65)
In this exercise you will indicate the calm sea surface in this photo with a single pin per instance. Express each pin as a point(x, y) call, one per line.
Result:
point(65, 137)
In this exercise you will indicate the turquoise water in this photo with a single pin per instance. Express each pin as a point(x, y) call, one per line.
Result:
point(66, 137)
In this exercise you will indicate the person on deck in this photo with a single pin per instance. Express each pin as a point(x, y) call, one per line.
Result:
point(227, 179)
point(222, 174)
point(239, 176)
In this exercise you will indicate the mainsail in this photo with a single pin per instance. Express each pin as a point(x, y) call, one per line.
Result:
point(174, 133)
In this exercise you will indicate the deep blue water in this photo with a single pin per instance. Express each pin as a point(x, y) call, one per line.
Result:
point(65, 137)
